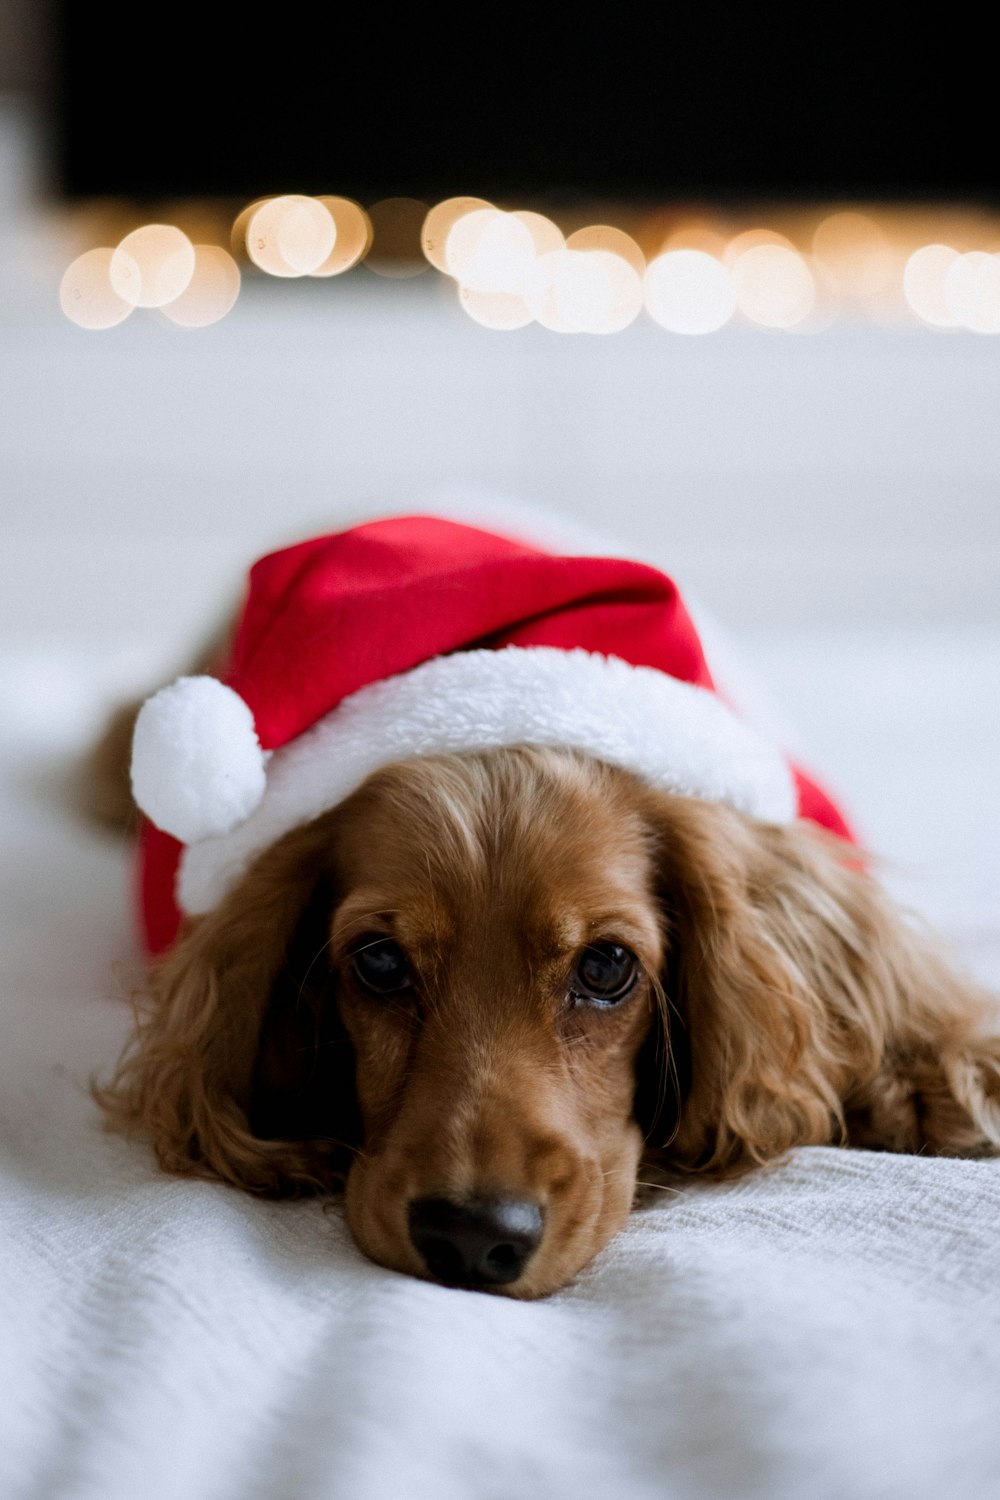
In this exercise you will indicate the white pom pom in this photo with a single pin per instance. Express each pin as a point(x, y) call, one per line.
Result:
point(197, 765)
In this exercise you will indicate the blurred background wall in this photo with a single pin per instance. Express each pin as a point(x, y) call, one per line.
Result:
point(839, 471)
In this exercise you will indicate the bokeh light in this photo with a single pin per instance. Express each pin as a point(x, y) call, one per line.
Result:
point(238, 233)
point(626, 301)
point(923, 284)
point(354, 236)
point(583, 291)
point(545, 235)
point(689, 291)
point(687, 233)
point(806, 267)
point(752, 239)
point(542, 292)
point(607, 239)
point(211, 292)
point(86, 295)
point(972, 291)
point(490, 251)
point(567, 293)
point(774, 286)
point(290, 235)
point(462, 242)
point(152, 265)
point(438, 223)
point(855, 248)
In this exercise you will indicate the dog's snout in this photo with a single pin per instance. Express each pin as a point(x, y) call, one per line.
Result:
point(475, 1242)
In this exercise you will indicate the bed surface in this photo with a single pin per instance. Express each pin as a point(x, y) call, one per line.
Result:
point(830, 1328)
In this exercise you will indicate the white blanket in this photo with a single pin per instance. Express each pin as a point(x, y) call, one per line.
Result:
point(830, 1328)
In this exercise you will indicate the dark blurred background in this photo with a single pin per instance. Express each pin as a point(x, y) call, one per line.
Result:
point(685, 101)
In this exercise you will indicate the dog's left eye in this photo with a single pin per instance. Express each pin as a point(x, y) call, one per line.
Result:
point(605, 973)
point(381, 965)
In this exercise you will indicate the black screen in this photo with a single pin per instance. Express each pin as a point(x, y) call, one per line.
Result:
point(687, 101)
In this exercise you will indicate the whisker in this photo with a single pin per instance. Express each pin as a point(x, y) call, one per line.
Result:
point(323, 948)
point(365, 946)
point(660, 1187)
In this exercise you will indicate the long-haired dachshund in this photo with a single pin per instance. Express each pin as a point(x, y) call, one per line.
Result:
point(489, 985)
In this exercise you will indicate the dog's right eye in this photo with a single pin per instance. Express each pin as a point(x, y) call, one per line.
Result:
point(605, 973)
point(381, 965)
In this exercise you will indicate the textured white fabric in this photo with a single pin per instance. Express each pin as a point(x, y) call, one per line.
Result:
point(829, 1329)
point(676, 736)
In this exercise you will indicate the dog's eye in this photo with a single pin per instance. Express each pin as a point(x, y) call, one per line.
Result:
point(605, 973)
point(381, 965)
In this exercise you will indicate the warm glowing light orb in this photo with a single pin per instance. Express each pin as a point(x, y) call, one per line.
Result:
point(152, 265)
point(774, 286)
point(859, 256)
point(752, 239)
point(354, 235)
point(545, 235)
point(689, 291)
point(462, 242)
point(86, 295)
point(923, 284)
point(438, 224)
point(583, 291)
point(851, 240)
point(605, 238)
point(490, 251)
point(584, 295)
point(972, 291)
point(689, 234)
point(541, 292)
point(844, 232)
point(625, 285)
point(211, 292)
point(290, 235)
point(499, 310)
point(557, 292)
point(238, 233)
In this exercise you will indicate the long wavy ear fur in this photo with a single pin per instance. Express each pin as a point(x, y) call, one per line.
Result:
point(239, 1068)
point(810, 1009)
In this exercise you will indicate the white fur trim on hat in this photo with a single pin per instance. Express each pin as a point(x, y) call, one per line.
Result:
point(197, 765)
point(674, 735)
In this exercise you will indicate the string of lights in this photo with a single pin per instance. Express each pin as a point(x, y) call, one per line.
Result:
point(691, 273)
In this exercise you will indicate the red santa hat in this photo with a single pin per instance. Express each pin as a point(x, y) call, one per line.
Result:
point(417, 635)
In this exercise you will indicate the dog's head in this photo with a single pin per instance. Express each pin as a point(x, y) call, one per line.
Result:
point(483, 986)
point(496, 952)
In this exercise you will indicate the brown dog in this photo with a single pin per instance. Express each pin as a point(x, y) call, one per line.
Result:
point(488, 986)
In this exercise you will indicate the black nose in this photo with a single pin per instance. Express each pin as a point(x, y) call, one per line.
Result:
point(478, 1242)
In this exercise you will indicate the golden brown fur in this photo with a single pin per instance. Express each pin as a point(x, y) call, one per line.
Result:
point(782, 1001)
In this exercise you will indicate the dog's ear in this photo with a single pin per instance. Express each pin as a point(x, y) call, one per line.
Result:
point(802, 1007)
point(239, 1068)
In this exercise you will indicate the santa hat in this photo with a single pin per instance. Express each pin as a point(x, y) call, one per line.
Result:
point(417, 635)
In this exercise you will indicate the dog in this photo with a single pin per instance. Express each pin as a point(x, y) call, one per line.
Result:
point(489, 989)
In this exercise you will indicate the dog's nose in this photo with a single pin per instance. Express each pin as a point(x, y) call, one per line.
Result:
point(476, 1242)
